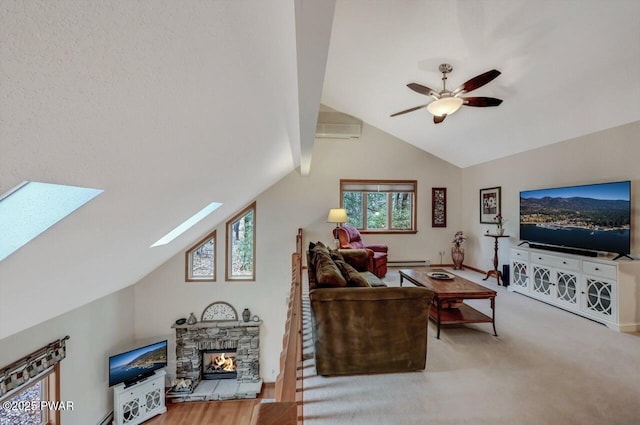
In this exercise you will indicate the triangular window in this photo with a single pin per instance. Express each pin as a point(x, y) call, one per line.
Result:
point(201, 260)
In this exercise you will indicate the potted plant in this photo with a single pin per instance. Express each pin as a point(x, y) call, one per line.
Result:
point(457, 253)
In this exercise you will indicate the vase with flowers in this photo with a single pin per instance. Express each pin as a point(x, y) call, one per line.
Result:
point(457, 253)
point(499, 224)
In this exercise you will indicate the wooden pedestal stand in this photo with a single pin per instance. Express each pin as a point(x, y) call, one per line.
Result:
point(495, 272)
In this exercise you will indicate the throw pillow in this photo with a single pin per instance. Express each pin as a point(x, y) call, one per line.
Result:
point(318, 244)
point(314, 249)
point(335, 255)
point(351, 275)
point(327, 273)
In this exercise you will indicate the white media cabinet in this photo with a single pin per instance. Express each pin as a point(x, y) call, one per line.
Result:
point(598, 288)
point(137, 403)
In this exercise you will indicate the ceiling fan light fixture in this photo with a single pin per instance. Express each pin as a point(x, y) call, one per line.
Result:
point(445, 106)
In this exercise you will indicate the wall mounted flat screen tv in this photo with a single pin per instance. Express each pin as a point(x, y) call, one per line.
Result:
point(594, 217)
point(134, 365)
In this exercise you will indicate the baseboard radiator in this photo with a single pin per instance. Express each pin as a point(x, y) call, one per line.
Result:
point(409, 263)
point(107, 420)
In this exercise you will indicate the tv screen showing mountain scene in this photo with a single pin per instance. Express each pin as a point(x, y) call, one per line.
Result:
point(130, 365)
point(592, 217)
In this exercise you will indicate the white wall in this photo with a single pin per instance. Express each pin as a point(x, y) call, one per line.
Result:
point(301, 202)
point(95, 330)
point(610, 155)
point(150, 307)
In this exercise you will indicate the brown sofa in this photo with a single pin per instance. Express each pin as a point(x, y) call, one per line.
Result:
point(365, 329)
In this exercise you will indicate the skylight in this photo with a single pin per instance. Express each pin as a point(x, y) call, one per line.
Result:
point(187, 224)
point(31, 208)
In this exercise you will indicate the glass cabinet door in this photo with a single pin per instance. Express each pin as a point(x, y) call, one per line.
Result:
point(541, 280)
point(520, 276)
point(567, 287)
point(599, 296)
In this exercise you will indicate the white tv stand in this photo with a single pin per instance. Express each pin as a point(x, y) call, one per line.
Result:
point(595, 287)
point(139, 402)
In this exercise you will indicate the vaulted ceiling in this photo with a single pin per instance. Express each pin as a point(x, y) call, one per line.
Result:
point(166, 105)
point(569, 68)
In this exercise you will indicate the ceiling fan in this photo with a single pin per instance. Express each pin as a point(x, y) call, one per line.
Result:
point(447, 102)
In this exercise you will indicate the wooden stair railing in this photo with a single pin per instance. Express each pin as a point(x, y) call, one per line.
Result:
point(288, 404)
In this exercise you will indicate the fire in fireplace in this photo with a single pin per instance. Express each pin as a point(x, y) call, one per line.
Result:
point(219, 364)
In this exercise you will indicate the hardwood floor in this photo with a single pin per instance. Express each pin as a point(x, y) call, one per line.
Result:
point(229, 412)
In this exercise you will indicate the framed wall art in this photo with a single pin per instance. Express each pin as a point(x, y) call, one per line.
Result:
point(490, 200)
point(439, 207)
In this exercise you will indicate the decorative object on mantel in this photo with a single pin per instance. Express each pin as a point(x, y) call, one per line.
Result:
point(255, 318)
point(219, 311)
point(181, 321)
point(457, 253)
point(490, 204)
point(192, 319)
point(246, 315)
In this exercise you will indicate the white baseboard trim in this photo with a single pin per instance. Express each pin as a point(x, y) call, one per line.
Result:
point(107, 420)
point(409, 263)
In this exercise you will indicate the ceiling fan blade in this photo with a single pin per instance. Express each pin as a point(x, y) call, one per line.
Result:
point(481, 101)
point(477, 82)
point(419, 88)
point(438, 120)
point(409, 110)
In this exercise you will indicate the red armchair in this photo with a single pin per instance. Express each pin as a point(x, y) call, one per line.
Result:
point(350, 238)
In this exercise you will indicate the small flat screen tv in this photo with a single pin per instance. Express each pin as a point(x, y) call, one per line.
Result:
point(593, 218)
point(134, 365)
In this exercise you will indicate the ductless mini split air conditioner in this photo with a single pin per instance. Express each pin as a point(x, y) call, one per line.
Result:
point(338, 131)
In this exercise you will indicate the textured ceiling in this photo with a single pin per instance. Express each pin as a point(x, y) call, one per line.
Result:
point(569, 68)
point(166, 106)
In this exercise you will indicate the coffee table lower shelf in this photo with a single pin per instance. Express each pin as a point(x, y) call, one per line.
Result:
point(458, 315)
point(461, 314)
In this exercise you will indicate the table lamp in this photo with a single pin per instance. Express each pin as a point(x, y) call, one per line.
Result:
point(337, 216)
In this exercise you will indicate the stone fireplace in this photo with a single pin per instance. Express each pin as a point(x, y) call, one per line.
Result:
point(197, 346)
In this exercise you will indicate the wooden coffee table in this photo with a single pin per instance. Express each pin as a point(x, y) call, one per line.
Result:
point(447, 306)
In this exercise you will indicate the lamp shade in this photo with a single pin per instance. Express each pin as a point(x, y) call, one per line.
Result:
point(445, 106)
point(337, 215)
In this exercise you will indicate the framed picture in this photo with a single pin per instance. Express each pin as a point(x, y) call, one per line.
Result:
point(438, 207)
point(490, 200)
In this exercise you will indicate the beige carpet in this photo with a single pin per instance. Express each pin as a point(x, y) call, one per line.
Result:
point(546, 367)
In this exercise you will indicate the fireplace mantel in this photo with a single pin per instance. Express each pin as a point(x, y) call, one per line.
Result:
point(219, 324)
